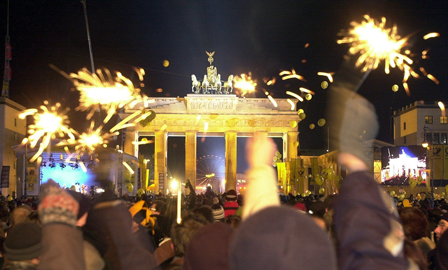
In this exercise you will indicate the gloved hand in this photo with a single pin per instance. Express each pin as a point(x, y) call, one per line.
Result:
point(354, 125)
point(56, 205)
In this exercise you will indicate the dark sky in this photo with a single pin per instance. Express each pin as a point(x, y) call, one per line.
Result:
point(262, 37)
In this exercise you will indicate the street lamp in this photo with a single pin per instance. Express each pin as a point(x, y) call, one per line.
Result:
point(426, 145)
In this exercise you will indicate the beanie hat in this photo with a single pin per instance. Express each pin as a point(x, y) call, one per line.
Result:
point(231, 195)
point(84, 203)
point(444, 217)
point(24, 242)
point(218, 212)
point(274, 238)
point(209, 248)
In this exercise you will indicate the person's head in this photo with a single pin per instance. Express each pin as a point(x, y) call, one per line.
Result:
point(206, 212)
point(158, 207)
point(209, 248)
point(20, 214)
point(182, 233)
point(441, 226)
point(274, 238)
point(415, 224)
point(23, 243)
point(231, 195)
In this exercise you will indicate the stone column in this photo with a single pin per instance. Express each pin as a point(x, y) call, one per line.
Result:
point(160, 143)
point(190, 158)
point(129, 148)
point(230, 160)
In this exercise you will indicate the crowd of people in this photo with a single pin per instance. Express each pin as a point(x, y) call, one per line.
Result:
point(361, 227)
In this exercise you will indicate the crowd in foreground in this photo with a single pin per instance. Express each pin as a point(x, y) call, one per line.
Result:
point(360, 228)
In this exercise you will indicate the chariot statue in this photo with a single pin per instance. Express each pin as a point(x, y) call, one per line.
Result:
point(212, 84)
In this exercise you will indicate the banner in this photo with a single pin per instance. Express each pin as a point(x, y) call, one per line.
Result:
point(31, 175)
point(437, 155)
point(445, 162)
point(4, 182)
point(281, 170)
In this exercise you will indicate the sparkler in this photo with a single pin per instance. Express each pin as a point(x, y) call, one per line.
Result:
point(375, 43)
point(88, 141)
point(47, 125)
point(102, 91)
point(245, 83)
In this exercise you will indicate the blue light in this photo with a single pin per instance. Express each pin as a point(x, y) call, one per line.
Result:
point(68, 176)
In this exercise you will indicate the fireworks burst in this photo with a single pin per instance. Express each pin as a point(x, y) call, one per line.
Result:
point(102, 91)
point(375, 43)
point(47, 125)
point(244, 83)
point(87, 142)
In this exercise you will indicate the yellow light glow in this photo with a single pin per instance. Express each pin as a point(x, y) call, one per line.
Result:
point(244, 83)
point(329, 75)
point(431, 35)
point(294, 95)
point(375, 43)
point(303, 89)
point(442, 108)
point(291, 75)
point(272, 100)
point(103, 91)
point(293, 106)
point(126, 165)
point(174, 184)
point(47, 125)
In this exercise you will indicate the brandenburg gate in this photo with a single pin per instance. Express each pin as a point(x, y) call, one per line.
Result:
point(214, 112)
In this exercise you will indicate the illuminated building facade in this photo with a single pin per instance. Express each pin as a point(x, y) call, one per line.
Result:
point(12, 132)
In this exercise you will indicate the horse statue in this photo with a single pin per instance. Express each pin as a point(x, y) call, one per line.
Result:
point(195, 85)
point(205, 85)
point(228, 85)
point(218, 85)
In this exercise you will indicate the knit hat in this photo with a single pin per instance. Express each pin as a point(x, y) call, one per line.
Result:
point(209, 248)
point(231, 195)
point(84, 203)
point(444, 217)
point(218, 212)
point(281, 238)
point(24, 242)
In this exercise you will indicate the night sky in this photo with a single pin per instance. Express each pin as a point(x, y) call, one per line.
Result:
point(263, 37)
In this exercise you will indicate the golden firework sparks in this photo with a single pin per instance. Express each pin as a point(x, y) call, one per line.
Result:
point(244, 83)
point(375, 43)
point(88, 141)
point(303, 89)
point(329, 75)
point(272, 100)
point(293, 106)
point(442, 108)
point(48, 124)
point(294, 95)
point(269, 81)
point(102, 91)
point(291, 75)
point(431, 35)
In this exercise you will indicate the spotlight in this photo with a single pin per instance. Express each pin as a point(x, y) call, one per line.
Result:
point(44, 164)
point(52, 165)
point(62, 165)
